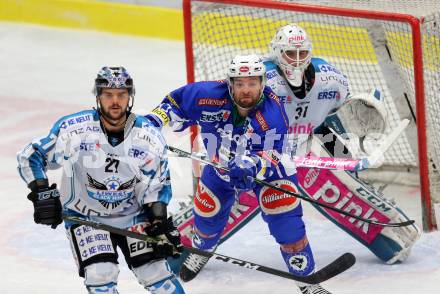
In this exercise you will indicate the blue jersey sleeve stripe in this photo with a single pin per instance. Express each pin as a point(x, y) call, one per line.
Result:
point(270, 65)
point(165, 194)
point(149, 174)
point(30, 166)
point(37, 165)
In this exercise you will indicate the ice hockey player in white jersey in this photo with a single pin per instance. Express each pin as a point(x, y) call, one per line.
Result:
point(115, 171)
point(318, 101)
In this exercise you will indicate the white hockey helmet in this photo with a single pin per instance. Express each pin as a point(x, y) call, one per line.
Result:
point(292, 50)
point(242, 66)
point(246, 66)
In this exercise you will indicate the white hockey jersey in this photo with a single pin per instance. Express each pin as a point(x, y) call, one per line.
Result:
point(329, 91)
point(105, 183)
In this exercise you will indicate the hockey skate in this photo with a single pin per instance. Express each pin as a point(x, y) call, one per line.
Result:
point(313, 289)
point(192, 265)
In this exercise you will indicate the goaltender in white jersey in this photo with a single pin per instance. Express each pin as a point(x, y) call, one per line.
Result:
point(309, 104)
point(115, 172)
point(317, 100)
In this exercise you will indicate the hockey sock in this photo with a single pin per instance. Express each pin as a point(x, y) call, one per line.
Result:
point(300, 263)
point(108, 288)
point(168, 286)
point(205, 243)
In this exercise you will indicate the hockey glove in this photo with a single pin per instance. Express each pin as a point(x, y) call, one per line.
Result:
point(47, 205)
point(242, 171)
point(169, 244)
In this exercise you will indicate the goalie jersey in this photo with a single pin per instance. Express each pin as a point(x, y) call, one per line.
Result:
point(106, 183)
point(330, 90)
point(325, 91)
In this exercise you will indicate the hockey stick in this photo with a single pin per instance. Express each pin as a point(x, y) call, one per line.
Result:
point(339, 265)
point(313, 201)
point(316, 162)
point(347, 164)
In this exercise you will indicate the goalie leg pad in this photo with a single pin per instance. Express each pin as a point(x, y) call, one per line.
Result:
point(343, 190)
point(90, 246)
point(212, 203)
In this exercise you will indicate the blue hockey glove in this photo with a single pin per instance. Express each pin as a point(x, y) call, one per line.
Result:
point(47, 205)
point(242, 171)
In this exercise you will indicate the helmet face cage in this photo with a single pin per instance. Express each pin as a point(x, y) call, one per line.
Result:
point(114, 78)
point(243, 66)
point(291, 48)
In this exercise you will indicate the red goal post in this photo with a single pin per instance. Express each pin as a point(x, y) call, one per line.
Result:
point(373, 43)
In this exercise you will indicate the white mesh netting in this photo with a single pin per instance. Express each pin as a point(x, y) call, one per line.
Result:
point(372, 53)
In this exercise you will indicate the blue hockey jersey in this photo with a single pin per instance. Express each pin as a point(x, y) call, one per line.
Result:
point(224, 132)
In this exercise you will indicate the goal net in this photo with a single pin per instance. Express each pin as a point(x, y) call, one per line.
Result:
point(393, 46)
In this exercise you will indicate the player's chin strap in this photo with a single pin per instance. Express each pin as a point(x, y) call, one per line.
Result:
point(313, 201)
point(341, 264)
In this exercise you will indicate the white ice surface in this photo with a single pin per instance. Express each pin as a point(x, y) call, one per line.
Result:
point(46, 73)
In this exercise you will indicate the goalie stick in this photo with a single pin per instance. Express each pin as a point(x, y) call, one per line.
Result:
point(339, 265)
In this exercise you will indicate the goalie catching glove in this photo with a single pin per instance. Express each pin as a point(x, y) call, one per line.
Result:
point(47, 204)
point(362, 114)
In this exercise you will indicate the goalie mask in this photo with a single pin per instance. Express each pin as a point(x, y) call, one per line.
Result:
point(292, 50)
point(114, 78)
point(243, 66)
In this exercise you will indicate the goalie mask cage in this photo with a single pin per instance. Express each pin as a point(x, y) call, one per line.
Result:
point(392, 46)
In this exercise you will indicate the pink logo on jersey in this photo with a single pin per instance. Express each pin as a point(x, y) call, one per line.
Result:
point(298, 128)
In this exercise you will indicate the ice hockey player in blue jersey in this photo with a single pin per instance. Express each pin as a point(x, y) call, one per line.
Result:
point(318, 101)
point(115, 171)
point(243, 127)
